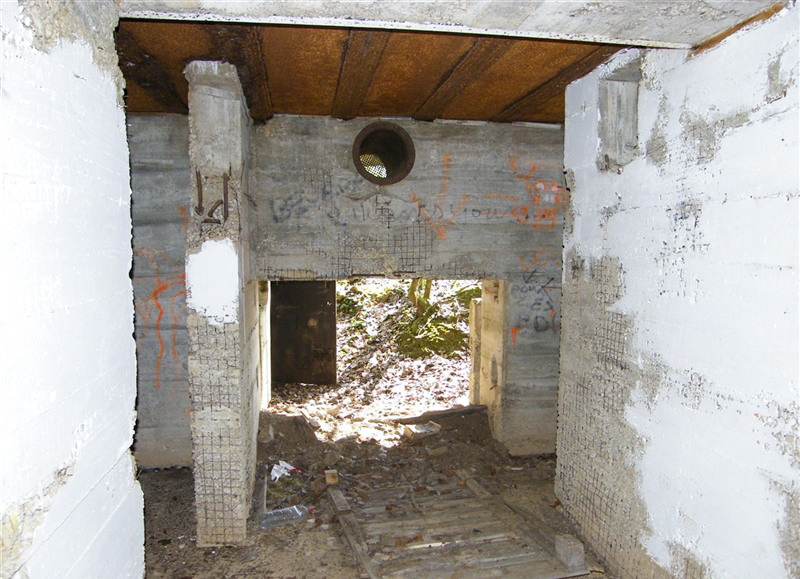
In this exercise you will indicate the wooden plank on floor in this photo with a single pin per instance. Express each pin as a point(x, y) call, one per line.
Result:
point(465, 518)
point(463, 551)
point(473, 485)
point(339, 501)
point(381, 493)
point(408, 540)
point(434, 414)
point(442, 567)
point(565, 548)
point(352, 531)
point(424, 505)
point(466, 534)
point(477, 520)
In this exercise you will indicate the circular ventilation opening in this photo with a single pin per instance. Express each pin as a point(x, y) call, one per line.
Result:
point(383, 153)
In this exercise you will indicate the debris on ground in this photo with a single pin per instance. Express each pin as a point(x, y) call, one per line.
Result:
point(316, 547)
point(281, 469)
point(419, 431)
point(348, 437)
point(284, 516)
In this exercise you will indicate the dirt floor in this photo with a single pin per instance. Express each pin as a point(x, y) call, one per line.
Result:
point(359, 428)
point(315, 548)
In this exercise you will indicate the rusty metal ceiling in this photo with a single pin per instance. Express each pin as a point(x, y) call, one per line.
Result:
point(349, 73)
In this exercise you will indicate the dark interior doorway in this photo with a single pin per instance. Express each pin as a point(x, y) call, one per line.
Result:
point(303, 332)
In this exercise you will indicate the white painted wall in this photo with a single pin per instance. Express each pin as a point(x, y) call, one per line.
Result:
point(70, 505)
point(704, 222)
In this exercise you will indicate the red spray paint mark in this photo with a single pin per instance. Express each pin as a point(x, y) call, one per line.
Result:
point(440, 226)
point(150, 305)
point(514, 331)
point(545, 216)
point(538, 259)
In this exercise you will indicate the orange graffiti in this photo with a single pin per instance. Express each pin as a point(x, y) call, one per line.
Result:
point(545, 217)
point(501, 196)
point(441, 226)
point(538, 259)
point(147, 306)
point(514, 331)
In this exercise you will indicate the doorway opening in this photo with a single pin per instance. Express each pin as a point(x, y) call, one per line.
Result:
point(402, 348)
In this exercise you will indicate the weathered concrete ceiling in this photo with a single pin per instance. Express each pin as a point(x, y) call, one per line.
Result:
point(670, 24)
point(488, 60)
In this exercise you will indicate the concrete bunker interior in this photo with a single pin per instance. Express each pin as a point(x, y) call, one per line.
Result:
point(627, 335)
point(287, 196)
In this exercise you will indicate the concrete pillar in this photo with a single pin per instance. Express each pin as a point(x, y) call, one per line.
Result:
point(475, 351)
point(520, 329)
point(493, 349)
point(222, 306)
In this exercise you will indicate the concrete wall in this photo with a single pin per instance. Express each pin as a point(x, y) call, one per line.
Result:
point(493, 337)
point(160, 178)
point(519, 335)
point(678, 450)
point(482, 201)
point(70, 505)
point(533, 332)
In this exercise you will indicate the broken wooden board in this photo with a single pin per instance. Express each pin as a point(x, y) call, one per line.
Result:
point(441, 414)
point(456, 530)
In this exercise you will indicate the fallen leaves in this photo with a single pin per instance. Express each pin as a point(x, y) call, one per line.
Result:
point(375, 382)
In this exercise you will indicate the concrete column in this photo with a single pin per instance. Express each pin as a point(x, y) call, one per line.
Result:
point(518, 375)
point(220, 304)
point(475, 323)
point(493, 348)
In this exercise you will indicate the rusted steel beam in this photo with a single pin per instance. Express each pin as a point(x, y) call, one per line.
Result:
point(361, 58)
point(145, 70)
point(528, 104)
point(483, 53)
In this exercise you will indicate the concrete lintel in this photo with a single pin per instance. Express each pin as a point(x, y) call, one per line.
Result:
point(658, 24)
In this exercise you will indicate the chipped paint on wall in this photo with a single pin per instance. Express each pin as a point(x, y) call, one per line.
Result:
point(20, 521)
point(691, 365)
